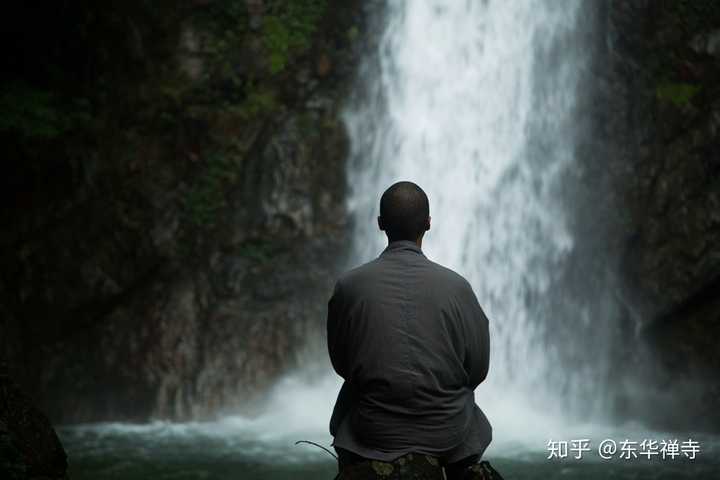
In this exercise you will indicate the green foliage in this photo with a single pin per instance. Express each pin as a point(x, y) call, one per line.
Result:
point(259, 101)
point(680, 94)
point(257, 250)
point(207, 195)
point(227, 24)
point(227, 16)
point(38, 114)
point(287, 31)
point(277, 40)
point(353, 33)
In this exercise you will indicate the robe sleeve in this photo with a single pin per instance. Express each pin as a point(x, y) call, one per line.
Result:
point(336, 327)
point(337, 339)
point(477, 340)
point(343, 405)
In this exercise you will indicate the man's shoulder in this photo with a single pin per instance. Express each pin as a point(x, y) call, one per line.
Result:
point(449, 276)
point(359, 273)
point(369, 271)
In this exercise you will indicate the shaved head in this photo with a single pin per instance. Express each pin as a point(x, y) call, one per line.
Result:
point(404, 212)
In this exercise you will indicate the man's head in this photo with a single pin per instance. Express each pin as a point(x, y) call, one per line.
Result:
point(404, 212)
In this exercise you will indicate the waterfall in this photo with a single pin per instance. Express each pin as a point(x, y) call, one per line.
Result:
point(475, 101)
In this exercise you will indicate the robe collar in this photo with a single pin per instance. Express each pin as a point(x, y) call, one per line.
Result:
point(400, 245)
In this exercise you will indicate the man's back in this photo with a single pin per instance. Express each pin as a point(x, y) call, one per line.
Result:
point(411, 341)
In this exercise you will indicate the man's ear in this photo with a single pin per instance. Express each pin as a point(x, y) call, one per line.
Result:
point(427, 225)
point(380, 223)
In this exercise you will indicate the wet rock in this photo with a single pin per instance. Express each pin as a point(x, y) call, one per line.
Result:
point(707, 43)
point(29, 447)
point(323, 65)
point(256, 9)
point(186, 264)
point(190, 54)
point(664, 161)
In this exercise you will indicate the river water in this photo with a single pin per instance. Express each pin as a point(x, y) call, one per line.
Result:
point(477, 102)
point(264, 447)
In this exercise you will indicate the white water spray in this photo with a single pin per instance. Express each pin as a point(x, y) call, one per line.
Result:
point(472, 101)
point(475, 102)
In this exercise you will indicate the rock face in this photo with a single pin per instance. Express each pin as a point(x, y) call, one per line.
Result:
point(171, 249)
point(29, 447)
point(661, 75)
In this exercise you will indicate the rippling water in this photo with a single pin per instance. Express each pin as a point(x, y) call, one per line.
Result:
point(264, 447)
point(228, 449)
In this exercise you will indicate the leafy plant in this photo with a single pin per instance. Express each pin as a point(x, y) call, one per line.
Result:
point(39, 114)
point(680, 94)
point(257, 250)
point(288, 31)
point(207, 196)
point(257, 102)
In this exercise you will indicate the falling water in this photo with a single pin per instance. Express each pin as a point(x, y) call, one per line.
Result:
point(475, 102)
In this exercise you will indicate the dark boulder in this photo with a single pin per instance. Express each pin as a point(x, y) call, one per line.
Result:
point(29, 447)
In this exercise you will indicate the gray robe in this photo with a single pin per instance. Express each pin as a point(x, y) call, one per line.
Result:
point(411, 341)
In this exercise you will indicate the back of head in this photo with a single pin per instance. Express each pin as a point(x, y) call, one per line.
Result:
point(404, 211)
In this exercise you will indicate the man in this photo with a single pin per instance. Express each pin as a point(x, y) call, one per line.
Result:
point(411, 342)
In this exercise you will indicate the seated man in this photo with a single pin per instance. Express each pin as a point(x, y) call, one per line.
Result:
point(411, 342)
